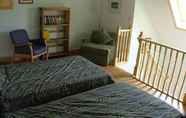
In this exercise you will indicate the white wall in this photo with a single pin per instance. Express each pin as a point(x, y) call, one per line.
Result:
point(141, 23)
point(157, 22)
point(83, 20)
point(161, 16)
point(111, 20)
point(154, 18)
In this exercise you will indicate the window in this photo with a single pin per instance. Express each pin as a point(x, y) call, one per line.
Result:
point(179, 12)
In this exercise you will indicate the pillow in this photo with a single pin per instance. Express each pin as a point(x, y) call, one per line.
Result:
point(97, 37)
point(107, 38)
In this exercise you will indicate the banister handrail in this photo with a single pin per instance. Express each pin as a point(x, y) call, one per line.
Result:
point(151, 41)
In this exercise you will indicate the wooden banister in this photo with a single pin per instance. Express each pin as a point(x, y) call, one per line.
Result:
point(161, 67)
point(122, 46)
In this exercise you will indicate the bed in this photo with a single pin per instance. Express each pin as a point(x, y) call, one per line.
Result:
point(111, 101)
point(37, 83)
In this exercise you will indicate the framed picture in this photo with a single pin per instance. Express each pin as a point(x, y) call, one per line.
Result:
point(6, 4)
point(25, 1)
point(115, 5)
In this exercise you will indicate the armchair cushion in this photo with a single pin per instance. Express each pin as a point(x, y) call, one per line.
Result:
point(38, 49)
point(38, 46)
point(38, 42)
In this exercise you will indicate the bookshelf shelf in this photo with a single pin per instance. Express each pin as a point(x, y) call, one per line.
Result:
point(57, 25)
point(56, 21)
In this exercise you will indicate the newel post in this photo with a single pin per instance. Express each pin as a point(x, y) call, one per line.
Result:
point(116, 45)
point(184, 99)
point(138, 55)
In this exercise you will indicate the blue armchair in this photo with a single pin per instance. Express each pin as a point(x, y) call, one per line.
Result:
point(24, 47)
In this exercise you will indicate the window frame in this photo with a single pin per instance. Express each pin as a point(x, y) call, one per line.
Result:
point(180, 24)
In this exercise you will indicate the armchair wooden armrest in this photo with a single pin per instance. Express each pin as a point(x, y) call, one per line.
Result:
point(31, 49)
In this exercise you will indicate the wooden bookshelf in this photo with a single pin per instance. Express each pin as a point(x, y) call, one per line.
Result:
point(56, 22)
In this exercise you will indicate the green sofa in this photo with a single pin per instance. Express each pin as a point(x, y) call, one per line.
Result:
point(99, 48)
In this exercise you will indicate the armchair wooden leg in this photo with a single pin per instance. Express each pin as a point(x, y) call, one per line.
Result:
point(12, 59)
point(43, 57)
point(32, 59)
point(47, 56)
point(28, 59)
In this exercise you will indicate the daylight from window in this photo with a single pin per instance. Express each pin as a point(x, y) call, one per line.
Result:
point(179, 12)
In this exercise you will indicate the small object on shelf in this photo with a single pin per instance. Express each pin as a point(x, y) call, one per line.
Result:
point(46, 35)
point(55, 27)
point(60, 19)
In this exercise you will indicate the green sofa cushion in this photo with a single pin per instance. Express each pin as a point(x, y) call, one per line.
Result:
point(101, 37)
point(97, 37)
point(107, 38)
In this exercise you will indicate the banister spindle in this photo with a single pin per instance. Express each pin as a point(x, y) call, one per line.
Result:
point(164, 57)
point(149, 50)
point(152, 64)
point(143, 59)
point(182, 86)
point(138, 57)
point(167, 72)
point(126, 47)
point(123, 46)
point(156, 69)
point(179, 74)
point(172, 76)
point(119, 46)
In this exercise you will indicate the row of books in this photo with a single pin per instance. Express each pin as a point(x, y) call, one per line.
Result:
point(53, 20)
point(56, 35)
point(51, 29)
